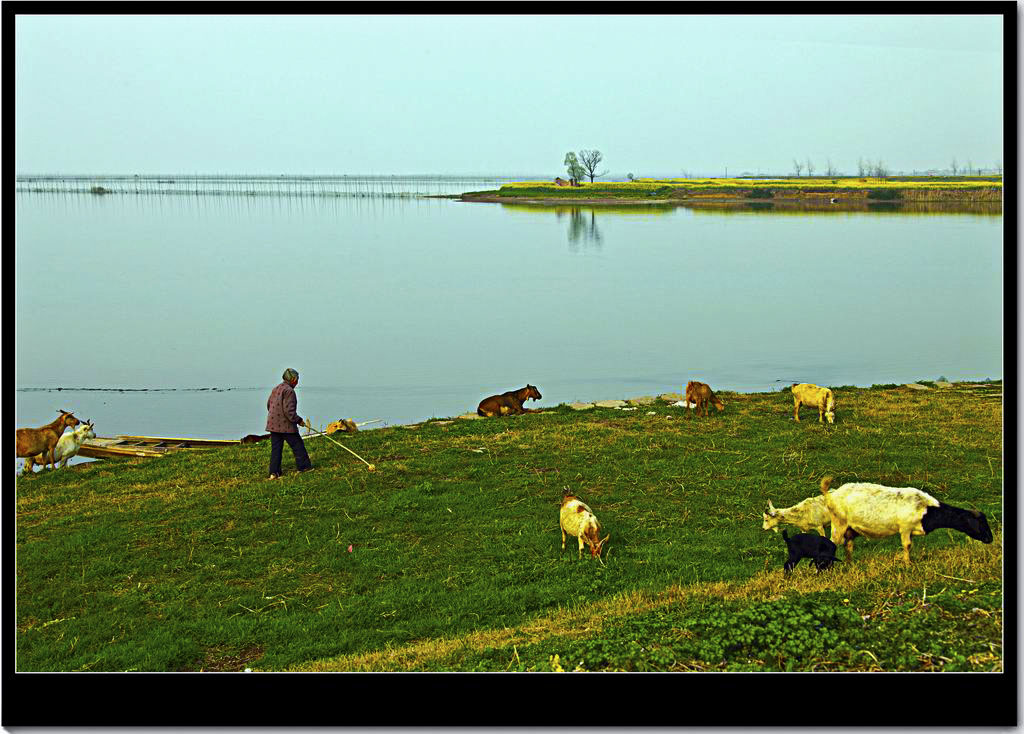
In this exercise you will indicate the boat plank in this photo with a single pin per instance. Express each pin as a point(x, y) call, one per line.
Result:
point(211, 442)
point(102, 447)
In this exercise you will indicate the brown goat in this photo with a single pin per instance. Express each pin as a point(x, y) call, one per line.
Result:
point(509, 403)
point(42, 440)
point(701, 395)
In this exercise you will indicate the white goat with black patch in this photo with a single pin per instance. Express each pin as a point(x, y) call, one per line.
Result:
point(876, 511)
point(811, 514)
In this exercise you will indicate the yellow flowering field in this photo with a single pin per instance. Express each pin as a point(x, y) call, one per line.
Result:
point(780, 183)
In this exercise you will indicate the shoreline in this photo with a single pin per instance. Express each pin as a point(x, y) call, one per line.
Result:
point(804, 202)
point(760, 193)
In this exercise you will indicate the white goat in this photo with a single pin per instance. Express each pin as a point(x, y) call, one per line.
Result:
point(875, 511)
point(817, 397)
point(577, 519)
point(67, 446)
point(811, 514)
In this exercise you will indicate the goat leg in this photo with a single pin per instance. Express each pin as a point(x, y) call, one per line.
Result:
point(905, 537)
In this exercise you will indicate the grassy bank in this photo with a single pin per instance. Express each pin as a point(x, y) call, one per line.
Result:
point(193, 562)
point(895, 189)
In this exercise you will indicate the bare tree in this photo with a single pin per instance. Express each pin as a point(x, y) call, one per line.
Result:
point(970, 165)
point(810, 166)
point(797, 166)
point(862, 167)
point(829, 170)
point(589, 160)
point(879, 170)
point(953, 166)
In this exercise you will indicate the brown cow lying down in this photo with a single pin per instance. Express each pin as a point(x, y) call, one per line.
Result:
point(701, 394)
point(509, 403)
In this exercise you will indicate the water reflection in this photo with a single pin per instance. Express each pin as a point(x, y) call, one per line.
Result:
point(385, 186)
point(582, 228)
point(381, 282)
point(214, 207)
point(814, 209)
point(582, 220)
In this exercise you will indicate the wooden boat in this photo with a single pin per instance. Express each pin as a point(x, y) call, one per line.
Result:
point(103, 447)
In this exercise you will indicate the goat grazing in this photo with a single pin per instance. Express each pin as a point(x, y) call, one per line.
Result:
point(811, 514)
point(816, 397)
point(42, 440)
point(875, 511)
point(67, 446)
point(578, 520)
point(701, 394)
point(821, 551)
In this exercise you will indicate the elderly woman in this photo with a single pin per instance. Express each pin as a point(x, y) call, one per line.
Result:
point(283, 422)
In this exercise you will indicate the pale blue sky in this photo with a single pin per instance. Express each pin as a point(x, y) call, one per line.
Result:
point(504, 95)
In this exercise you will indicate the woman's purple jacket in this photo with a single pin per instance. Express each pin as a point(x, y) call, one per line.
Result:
point(281, 415)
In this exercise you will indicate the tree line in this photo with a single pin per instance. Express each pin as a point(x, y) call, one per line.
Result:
point(585, 164)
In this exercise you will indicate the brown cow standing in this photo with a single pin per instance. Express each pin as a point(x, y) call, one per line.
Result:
point(42, 440)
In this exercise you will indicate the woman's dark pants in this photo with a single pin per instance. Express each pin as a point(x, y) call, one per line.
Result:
point(298, 449)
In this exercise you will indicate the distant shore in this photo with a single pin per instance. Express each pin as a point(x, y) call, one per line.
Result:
point(766, 193)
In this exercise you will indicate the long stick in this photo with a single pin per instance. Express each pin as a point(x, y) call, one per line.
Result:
point(369, 466)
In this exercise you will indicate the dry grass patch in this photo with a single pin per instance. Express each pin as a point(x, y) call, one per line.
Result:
point(222, 659)
point(973, 562)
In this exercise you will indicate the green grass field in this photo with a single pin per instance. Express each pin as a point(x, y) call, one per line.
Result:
point(195, 562)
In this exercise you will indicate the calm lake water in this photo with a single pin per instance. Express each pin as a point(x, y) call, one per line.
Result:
point(404, 309)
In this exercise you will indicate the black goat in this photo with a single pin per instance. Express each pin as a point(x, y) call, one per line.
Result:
point(821, 551)
point(253, 438)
